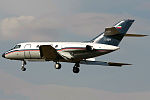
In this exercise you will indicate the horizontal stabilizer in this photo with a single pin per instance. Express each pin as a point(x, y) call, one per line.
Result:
point(111, 31)
point(103, 63)
point(135, 35)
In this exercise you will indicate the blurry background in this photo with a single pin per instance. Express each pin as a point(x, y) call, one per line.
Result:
point(74, 20)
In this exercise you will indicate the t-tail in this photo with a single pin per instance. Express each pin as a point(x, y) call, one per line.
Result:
point(114, 35)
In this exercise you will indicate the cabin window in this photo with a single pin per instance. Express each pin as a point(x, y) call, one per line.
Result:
point(56, 46)
point(17, 47)
point(37, 46)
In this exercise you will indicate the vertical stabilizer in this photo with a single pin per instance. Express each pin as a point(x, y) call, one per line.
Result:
point(113, 35)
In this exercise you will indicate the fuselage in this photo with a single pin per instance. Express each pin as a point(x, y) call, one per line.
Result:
point(78, 50)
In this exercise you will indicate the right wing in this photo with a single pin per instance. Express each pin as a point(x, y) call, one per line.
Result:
point(103, 63)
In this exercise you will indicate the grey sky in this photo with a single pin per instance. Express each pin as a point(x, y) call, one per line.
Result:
point(74, 20)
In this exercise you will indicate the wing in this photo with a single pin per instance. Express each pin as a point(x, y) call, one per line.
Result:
point(48, 53)
point(103, 63)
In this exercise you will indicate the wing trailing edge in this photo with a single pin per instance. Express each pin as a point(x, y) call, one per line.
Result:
point(103, 63)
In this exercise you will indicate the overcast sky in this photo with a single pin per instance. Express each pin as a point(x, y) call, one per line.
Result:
point(74, 20)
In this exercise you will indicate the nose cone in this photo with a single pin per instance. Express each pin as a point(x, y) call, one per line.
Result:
point(3, 55)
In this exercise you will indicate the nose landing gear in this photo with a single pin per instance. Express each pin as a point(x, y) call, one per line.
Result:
point(23, 64)
point(58, 66)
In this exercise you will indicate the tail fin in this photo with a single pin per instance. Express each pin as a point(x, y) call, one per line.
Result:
point(113, 35)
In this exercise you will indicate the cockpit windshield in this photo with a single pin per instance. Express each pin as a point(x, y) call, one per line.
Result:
point(17, 46)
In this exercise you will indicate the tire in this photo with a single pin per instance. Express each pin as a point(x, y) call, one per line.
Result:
point(58, 66)
point(23, 69)
point(76, 69)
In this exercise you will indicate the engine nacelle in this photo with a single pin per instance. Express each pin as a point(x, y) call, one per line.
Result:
point(89, 48)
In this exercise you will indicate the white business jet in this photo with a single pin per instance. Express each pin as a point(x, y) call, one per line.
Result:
point(73, 52)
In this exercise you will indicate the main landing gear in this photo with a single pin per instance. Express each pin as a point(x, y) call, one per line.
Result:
point(23, 64)
point(76, 68)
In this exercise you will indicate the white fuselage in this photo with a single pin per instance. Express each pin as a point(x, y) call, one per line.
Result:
point(77, 50)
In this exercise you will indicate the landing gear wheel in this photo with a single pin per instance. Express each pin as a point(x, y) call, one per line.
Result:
point(76, 69)
point(23, 64)
point(58, 66)
point(23, 69)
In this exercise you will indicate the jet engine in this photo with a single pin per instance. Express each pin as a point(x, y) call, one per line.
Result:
point(89, 48)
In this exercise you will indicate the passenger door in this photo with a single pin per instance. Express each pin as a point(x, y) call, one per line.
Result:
point(27, 48)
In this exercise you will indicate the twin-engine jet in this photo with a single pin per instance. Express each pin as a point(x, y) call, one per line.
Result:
point(73, 52)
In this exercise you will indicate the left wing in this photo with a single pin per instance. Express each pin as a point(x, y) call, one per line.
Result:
point(47, 52)
point(103, 63)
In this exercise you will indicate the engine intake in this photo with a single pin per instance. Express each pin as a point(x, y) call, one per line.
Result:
point(89, 48)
